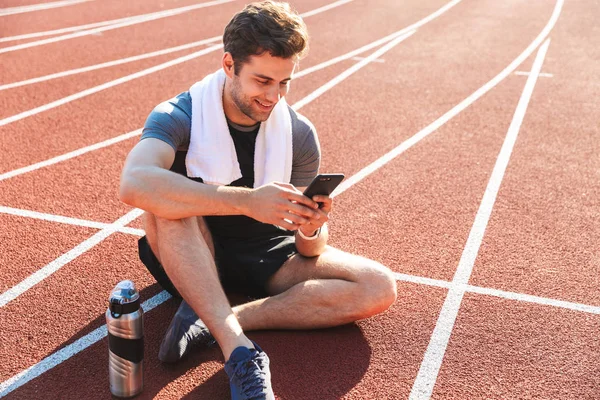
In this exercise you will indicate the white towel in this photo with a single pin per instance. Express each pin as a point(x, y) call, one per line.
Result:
point(211, 154)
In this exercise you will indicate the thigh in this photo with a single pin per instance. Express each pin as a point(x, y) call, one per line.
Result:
point(152, 234)
point(332, 264)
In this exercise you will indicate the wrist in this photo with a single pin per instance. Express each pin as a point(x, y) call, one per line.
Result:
point(310, 235)
point(238, 198)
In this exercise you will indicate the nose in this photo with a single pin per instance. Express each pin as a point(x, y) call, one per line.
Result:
point(276, 92)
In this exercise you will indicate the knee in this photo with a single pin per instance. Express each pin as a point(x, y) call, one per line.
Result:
point(379, 289)
point(184, 230)
point(179, 228)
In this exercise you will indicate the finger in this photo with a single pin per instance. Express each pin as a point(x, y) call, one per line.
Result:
point(322, 218)
point(319, 198)
point(304, 211)
point(325, 202)
point(288, 225)
point(288, 186)
point(302, 199)
point(295, 218)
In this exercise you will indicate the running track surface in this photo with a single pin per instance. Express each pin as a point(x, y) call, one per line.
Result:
point(490, 218)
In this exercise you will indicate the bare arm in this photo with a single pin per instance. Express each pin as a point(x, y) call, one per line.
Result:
point(147, 183)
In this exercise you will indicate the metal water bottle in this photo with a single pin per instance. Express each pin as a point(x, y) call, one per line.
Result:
point(125, 325)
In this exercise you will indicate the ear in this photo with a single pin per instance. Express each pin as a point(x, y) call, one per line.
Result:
point(228, 66)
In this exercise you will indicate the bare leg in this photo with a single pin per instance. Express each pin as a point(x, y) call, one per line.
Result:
point(187, 257)
point(332, 289)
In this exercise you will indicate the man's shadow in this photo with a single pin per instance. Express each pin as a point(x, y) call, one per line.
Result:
point(311, 364)
point(316, 364)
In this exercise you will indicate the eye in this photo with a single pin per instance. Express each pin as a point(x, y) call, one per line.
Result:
point(263, 82)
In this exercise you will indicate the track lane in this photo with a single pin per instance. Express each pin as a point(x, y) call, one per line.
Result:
point(76, 295)
point(552, 185)
point(502, 349)
point(422, 204)
point(84, 13)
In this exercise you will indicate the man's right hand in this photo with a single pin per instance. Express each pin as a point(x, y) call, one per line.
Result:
point(281, 204)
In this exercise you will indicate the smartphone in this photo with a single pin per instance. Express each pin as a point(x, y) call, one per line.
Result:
point(323, 184)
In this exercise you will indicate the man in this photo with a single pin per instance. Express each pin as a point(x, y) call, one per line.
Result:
point(244, 231)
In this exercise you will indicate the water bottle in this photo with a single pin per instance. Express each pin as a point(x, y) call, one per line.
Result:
point(125, 325)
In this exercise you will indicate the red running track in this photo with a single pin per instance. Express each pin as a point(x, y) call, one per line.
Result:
point(527, 324)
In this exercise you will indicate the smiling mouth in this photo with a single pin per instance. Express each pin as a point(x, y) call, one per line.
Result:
point(264, 105)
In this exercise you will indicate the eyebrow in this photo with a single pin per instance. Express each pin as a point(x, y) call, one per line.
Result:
point(269, 78)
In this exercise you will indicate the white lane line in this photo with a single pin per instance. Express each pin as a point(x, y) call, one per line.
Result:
point(381, 41)
point(324, 8)
point(542, 74)
point(108, 85)
point(527, 298)
point(356, 67)
point(69, 351)
point(379, 60)
point(422, 280)
point(38, 7)
point(69, 155)
point(109, 63)
point(72, 254)
point(432, 361)
point(423, 133)
point(67, 220)
point(126, 22)
point(140, 18)
point(519, 297)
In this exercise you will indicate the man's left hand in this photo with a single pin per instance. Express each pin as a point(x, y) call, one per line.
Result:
point(324, 209)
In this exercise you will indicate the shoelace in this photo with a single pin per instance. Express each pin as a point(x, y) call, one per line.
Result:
point(252, 379)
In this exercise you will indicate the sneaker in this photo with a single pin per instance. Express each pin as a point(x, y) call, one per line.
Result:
point(186, 331)
point(249, 374)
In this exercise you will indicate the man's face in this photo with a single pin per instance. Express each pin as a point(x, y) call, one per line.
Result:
point(259, 85)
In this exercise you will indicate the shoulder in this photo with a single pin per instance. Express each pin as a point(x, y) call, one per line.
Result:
point(300, 124)
point(171, 121)
point(304, 134)
point(179, 108)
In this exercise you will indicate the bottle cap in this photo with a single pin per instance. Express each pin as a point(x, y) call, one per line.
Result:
point(124, 299)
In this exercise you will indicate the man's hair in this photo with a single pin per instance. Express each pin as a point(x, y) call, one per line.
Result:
point(265, 26)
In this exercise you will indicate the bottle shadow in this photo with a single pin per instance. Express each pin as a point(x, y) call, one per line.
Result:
point(323, 364)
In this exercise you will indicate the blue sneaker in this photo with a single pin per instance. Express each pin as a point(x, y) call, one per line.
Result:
point(186, 331)
point(249, 374)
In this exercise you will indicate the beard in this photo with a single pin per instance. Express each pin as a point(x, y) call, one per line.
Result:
point(245, 104)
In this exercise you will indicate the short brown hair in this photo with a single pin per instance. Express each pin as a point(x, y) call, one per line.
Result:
point(265, 26)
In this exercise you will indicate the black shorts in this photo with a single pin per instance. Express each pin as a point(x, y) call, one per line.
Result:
point(244, 264)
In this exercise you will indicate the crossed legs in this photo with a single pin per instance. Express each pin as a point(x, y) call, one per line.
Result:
point(329, 290)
